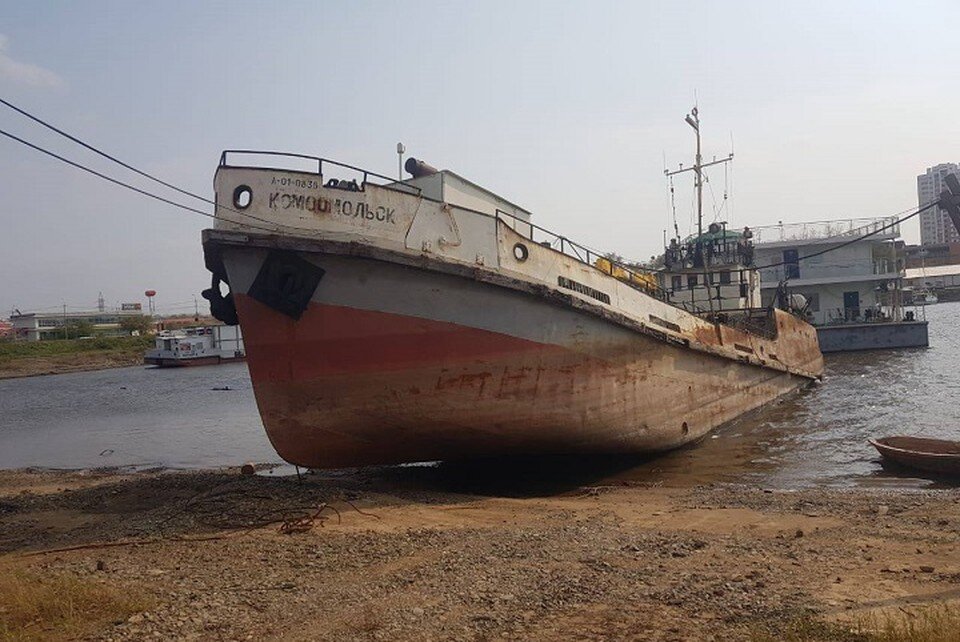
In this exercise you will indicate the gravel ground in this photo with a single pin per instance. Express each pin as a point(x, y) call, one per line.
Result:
point(425, 554)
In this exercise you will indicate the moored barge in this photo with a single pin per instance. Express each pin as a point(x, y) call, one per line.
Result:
point(200, 346)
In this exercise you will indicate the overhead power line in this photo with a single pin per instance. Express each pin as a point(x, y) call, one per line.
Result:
point(140, 172)
point(134, 188)
point(104, 176)
point(102, 153)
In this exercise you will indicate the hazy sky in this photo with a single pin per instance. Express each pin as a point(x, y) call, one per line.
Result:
point(568, 109)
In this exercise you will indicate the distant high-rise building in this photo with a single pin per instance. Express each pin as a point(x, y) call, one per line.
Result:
point(935, 223)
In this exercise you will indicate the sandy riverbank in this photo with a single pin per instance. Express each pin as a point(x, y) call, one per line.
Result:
point(458, 553)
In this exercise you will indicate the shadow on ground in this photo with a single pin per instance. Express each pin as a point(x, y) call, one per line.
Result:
point(161, 504)
point(515, 477)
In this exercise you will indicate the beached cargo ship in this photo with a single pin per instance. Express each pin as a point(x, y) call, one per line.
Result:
point(427, 319)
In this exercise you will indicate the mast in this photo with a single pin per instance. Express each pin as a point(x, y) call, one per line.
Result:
point(693, 119)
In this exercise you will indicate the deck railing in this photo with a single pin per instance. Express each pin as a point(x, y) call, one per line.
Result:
point(818, 230)
point(645, 281)
point(306, 163)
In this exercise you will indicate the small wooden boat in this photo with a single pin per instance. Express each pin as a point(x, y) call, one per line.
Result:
point(934, 455)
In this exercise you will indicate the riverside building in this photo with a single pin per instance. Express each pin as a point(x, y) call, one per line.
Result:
point(853, 293)
point(35, 326)
point(935, 224)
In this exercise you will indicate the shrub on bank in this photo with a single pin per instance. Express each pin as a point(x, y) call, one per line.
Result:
point(10, 351)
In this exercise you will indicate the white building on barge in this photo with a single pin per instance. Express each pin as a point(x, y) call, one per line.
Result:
point(854, 292)
point(207, 345)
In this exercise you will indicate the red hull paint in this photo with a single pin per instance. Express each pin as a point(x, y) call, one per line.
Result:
point(344, 387)
point(331, 340)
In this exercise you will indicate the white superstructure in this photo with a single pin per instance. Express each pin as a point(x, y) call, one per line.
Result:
point(850, 283)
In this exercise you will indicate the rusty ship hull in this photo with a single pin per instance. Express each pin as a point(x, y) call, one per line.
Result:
point(396, 354)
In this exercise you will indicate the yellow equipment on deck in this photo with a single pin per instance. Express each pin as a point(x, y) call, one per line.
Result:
point(646, 280)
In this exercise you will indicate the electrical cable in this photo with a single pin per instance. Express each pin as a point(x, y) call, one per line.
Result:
point(103, 176)
point(112, 158)
point(137, 171)
point(137, 189)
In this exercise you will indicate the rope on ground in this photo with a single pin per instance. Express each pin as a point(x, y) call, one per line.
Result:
point(291, 520)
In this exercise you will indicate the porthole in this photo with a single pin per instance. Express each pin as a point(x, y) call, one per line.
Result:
point(242, 197)
point(520, 252)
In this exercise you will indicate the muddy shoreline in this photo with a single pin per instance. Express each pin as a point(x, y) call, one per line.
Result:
point(62, 364)
point(462, 553)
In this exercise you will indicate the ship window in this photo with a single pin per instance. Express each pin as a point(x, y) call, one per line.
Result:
point(676, 282)
point(520, 252)
point(692, 281)
point(725, 277)
point(242, 197)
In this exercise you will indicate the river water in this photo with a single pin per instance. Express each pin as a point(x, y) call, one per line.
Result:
point(207, 417)
point(132, 416)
